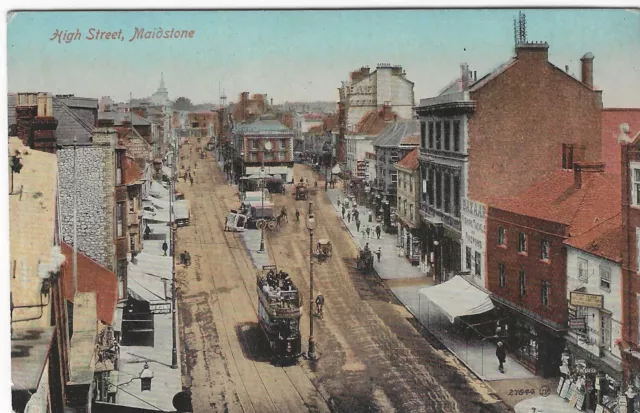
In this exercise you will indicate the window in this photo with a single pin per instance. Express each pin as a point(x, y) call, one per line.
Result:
point(468, 258)
point(456, 135)
point(438, 190)
point(438, 135)
point(546, 288)
point(522, 242)
point(478, 265)
point(605, 331)
point(132, 242)
point(121, 273)
point(411, 184)
point(447, 135)
point(636, 186)
point(605, 279)
point(567, 156)
point(501, 280)
point(544, 249)
point(394, 178)
point(283, 144)
point(423, 134)
point(431, 135)
point(583, 269)
point(430, 186)
point(253, 157)
point(254, 144)
point(132, 204)
point(523, 283)
point(456, 196)
point(502, 236)
point(447, 193)
point(411, 211)
point(120, 219)
point(119, 155)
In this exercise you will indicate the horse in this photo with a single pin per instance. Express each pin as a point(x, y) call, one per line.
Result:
point(283, 214)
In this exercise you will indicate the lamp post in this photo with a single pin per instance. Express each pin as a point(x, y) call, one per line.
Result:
point(267, 147)
point(174, 349)
point(311, 226)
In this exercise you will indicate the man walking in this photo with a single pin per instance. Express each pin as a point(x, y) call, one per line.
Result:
point(370, 217)
point(378, 230)
point(191, 180)
point(502, 355)
point(297, 216)
point(349, 216)
point(343, 210)
point(358, 225)
point(165, 247)
point(368, 232)
point(379, 253)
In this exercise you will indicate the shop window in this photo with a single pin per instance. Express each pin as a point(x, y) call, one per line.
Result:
point(468, 258)
point(605, 331)
point(501, 280)
point(447, 135)
point(544, 249)
point(523, 283)
point(605, 279)
point(431, 135)
point(478, 265)
point(546, 292)
point(583, 269)
point(502, 236)
point(522, 242)
point(438, 135)
point(456, 135)
point(423, 134)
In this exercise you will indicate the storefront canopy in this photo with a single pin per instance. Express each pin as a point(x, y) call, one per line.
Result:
point(458, 298)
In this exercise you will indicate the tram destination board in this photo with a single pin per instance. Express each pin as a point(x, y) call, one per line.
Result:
point(160, 308)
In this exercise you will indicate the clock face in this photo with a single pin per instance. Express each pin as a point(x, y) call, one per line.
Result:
point(267, 145)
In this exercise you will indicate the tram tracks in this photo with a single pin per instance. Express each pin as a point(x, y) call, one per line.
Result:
point(272, 391)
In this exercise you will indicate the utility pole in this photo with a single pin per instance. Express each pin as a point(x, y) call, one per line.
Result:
point(75, 219)
point(311, 225)
point(174, 349)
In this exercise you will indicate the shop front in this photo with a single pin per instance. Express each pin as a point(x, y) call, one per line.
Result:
point(408, 241)
point(535, 343)
point(590, 383)
point(440, 246)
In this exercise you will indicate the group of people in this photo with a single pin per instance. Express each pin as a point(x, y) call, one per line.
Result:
point(367, 250)
point(277, 282)
point(189, 174)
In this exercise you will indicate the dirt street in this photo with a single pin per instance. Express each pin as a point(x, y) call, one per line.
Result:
point(372, 358)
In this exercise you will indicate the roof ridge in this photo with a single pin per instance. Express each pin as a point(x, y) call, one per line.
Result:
point(584, 195)
point(88, 127)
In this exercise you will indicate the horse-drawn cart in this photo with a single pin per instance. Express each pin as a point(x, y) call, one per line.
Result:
point(324, 248)
point(365, 260)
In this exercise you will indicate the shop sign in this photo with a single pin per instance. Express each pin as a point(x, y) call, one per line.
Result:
point(586, 300)
point(577, 323)
point(160, 308)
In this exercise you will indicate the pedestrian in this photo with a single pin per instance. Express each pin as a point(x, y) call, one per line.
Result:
point(165, 247)
point(349, 216)
point(379, 253)
point(368, 231)
point(186, 176)
point(338, 201)
point(297, 216)
point(358, 224)
point(191, 180)
point(343, 211)
point(502, 355)
point(378, 230)
point(370, 217)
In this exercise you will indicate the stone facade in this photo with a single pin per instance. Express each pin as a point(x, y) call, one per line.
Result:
point(94, 203)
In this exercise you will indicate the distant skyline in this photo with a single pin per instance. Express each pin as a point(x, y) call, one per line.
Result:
point(304, 55)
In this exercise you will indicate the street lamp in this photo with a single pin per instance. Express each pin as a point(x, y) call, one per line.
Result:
point(267, 147)
point(311, 226)
point(174, 348)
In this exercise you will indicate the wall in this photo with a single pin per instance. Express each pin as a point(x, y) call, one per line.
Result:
point(94, 202)
point(536, 270)
point(528, 112)
point(473, 217)
point(612, 301)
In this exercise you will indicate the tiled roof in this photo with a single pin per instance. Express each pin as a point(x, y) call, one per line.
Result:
point(317, 129)
point(411, 140)
point(612, 118)
point(131, 171)
point(71, 124)
point(262, 125)
point(410, 161)
point(119, 117)
point(556, 199)
point(393, 135)
point(606, 239)
point(32, 217)
point(373, 123)
point(92, 277)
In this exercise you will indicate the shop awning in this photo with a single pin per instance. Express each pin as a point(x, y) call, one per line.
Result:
point(458, 298)
point(336, 169)
point(148, 277)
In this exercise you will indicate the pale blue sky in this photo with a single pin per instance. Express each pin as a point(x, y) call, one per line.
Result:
point(303, 55)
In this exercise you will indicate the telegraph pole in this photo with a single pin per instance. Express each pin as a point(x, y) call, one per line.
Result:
point(174, 349)
point(311, 225)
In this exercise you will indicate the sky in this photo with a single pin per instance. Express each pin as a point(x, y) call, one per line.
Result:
point(304, 55)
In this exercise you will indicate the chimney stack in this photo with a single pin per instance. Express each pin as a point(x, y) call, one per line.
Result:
point(581, 168)
point(387, 112)
point(577, 175)
point(464, 75)
point(587, 69)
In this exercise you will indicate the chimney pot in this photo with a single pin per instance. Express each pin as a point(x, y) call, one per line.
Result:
point(587, 69)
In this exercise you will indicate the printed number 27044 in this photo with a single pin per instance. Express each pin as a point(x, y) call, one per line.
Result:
point(521, 392)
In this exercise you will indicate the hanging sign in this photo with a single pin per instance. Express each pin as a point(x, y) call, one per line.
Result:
point(586, 300)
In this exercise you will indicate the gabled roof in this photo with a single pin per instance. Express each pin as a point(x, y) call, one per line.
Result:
point(606, 239)
point(71, 124)
point(92, 277)
point(410, 161)
point(556, 199)
point(399, 132)
point(373, 123)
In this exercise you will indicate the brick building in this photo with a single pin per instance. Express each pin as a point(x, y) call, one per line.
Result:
point(408, 193)
point(613, 120)
point(510, 109)
point(527, 258)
